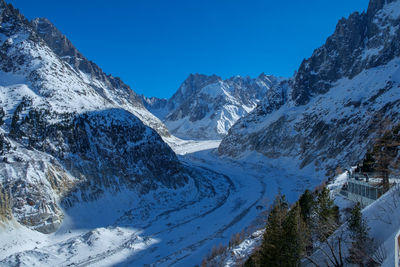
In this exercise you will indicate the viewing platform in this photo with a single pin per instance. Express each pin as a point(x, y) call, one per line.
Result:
point(365, 187)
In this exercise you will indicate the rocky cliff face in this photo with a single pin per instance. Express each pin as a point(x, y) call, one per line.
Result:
point(68, 132)
point(205, 107)
point(360, 42)
point(337, 102)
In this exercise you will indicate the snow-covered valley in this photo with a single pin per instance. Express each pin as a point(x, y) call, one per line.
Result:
point(93, 174)
point(117, 230)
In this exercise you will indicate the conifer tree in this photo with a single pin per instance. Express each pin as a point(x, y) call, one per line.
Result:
point(368, 163)
point(285, 238)
point(307, 203)
point(273, 241)
point(362, 245)
point(251, 261)
point(357, 224)
point(295, 237)
point(327, 215)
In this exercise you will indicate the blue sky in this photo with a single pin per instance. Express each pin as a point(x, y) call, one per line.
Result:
point(153, 45)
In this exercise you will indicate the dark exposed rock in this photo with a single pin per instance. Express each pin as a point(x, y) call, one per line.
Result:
point(4, 145)
point(106, 140)
point(342, 54)
point(2, 115)
point(103, 150)
point(5, 205)
point(45, 215)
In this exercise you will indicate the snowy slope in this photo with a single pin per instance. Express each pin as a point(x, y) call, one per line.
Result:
point(84, 182)
point(61, 250)
point(338, 101)
point(112, 89)
point(382, 217)
point(205, 107)
point(66, 136)
point(163, 227)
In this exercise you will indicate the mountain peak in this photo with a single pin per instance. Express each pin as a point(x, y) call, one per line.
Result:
point(8, 11)
point(262, 74)
point(195, 82)
point(375, 5)
point(41, 20)
point(54, 38)
point(2, 4)
point(64, 48)
point(198, 76)
point(206, 106)
point(358, 43)
point(43, 23)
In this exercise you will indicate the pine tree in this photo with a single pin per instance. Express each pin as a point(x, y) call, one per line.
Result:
point(285, 239)
point(327, 215)
point(250, 262)
point(295, 237)
point(368, 162)
point(273, 241)
point(362, 245)
point(307, 207)
point(357, 224)
point(307, 203)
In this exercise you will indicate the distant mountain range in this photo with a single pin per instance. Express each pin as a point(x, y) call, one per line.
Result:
point(205, 107)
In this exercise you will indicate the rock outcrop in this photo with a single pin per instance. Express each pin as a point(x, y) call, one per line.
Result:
point(362, 41)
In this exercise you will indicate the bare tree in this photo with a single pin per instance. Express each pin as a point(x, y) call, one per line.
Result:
point(385, 150)
point(379, 255)
point(329, 252)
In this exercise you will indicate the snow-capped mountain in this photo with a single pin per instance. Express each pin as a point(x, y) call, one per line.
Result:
point(112, 89)
point(339, 100)
point(205, 107)
point(69, 133)
point(84, 182)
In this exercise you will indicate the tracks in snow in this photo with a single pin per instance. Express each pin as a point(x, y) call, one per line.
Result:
point(177, 256)
point(224, 200)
